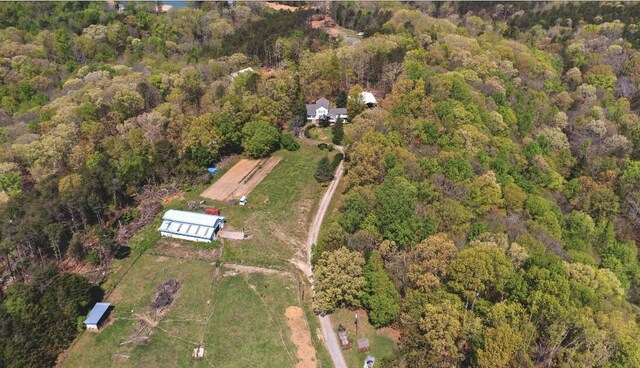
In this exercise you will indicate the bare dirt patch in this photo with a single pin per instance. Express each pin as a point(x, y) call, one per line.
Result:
point(176, 249)
point(277, 6)
point(327, 24)
point(390, 332)
point(241, 179)
point(301, 337)
point(4, 198)
point(160, 305)
point(169, 199)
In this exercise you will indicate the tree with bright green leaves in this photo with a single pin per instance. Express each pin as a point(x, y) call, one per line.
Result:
point(436, 329)
point(380, 296)
point(506, 338)
point(396, 200)
point(260, 139)
point(203, 140)
point(514, 196)
point(324, 171)
point(483, 193)
point(10, 182)
point(338, 280)
point(128, 102)
point(227, 130)
point(479, 272)
point(578, 231)
point(353, 212)
point(355, 103)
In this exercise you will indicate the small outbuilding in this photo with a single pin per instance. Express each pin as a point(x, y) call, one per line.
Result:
point(344, 340)
point(363, 345)
point(369, 99)
point(97, 316)
point(242, 71)
point(192, 226)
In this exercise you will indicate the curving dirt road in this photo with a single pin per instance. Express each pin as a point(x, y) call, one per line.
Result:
point(328, 332)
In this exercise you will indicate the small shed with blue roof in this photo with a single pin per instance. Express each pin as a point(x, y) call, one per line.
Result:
point(97, 316)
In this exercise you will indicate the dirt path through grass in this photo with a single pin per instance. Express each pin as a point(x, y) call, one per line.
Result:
point(301, 337)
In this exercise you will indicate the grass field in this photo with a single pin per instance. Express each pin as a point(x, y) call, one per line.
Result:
point(280, 209)
point(321, 134)
point(239, 319)
point(381, 343)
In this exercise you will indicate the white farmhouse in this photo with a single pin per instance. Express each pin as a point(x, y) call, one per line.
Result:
point(321, 110)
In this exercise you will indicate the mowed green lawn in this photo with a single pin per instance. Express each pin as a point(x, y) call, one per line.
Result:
point(239, 319)
point(279, 213)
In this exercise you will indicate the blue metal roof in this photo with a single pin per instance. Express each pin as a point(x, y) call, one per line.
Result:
point(96, 313)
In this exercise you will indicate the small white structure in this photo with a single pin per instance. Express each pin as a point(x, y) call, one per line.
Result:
point(198, 352)
point(368, 98)
point(243, 201)
point(245, 70)
point(96, 316)
point(192, 226)
point(321, 110)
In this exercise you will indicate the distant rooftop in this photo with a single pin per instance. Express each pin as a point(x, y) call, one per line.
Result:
point(368, 98)
point(242, 71)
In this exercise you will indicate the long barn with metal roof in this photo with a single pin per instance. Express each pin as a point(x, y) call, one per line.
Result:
point(192, 226)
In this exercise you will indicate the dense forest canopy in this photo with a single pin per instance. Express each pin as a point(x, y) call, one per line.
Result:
point(491, 204)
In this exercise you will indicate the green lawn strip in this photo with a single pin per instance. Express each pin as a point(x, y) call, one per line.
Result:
point(381, 345)
point(248, 327)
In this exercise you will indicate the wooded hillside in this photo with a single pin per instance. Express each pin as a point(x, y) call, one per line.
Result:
point(491, 205)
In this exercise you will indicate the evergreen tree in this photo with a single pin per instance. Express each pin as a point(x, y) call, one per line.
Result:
point(338, 132)
point(324, 171)
point(381, 297)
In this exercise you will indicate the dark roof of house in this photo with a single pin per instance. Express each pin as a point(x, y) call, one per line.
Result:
point(96, 313)
point(338, 111)
point(323, 102)
point(311, 108)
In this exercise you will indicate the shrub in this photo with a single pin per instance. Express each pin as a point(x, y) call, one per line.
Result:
point(289, 143)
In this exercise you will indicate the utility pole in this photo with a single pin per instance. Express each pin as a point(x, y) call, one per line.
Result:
point(356, 325)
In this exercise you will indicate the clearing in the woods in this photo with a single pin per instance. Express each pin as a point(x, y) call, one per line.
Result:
point(233, 298)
